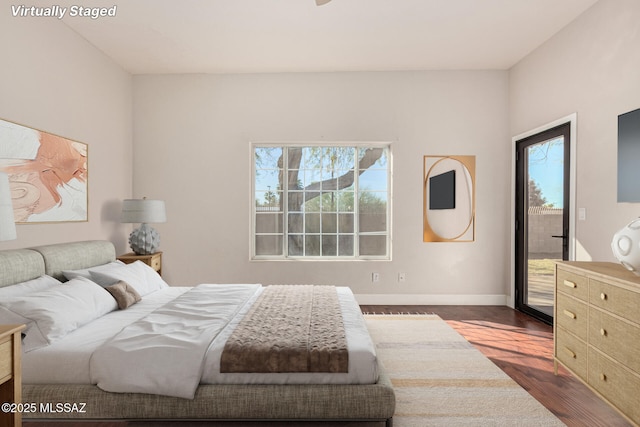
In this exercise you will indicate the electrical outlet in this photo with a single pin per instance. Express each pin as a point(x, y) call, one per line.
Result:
point(375, 277)
point(402, 277)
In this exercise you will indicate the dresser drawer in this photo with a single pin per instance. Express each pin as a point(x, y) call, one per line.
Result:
point(572, 284)
point(5, 359)
point(572, 352)
point(615, 299)
point(615, 383)
point(571, 314)
point(155, 263)
point(616, 338)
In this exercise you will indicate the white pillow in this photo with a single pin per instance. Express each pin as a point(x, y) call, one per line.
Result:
point(62, 309)
point(86, 272)
point(24, 288)
point(138, 275)
point(33, 339)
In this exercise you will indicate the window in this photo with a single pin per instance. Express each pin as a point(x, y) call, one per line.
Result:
point(321, 201)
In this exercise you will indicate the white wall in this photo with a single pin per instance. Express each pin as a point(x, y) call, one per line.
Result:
point(53, 80)
point(592, 68)
point(192, 136)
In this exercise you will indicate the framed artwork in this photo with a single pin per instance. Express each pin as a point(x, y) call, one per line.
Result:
point(48, 174)
point(449, 206)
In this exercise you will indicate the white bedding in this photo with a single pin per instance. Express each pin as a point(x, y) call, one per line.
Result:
point(68, 361)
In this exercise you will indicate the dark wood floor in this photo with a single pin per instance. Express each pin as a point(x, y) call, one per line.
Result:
point(520, 345)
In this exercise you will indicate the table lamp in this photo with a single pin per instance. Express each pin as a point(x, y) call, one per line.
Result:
point(145, 239)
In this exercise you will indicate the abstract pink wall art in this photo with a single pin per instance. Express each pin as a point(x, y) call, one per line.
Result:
point(47, 174)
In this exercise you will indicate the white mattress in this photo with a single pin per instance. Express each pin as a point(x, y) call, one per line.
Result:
point(67, 361)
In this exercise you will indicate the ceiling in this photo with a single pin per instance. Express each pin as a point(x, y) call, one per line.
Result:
point(251, 36)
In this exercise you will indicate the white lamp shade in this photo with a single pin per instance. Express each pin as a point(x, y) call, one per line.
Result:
point(7, 219)
point(143, 211)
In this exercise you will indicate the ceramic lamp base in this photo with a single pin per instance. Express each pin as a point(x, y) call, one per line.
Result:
point(144, 240)
point(626, 246)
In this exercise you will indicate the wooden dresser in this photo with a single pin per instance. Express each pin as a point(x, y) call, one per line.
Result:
point(597, 330)
point(10, 374)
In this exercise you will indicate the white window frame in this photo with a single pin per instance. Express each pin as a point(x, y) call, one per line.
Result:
point(357, 256)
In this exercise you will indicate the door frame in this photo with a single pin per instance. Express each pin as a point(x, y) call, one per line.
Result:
point(572, 120)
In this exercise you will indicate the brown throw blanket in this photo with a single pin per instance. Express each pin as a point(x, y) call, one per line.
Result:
point(290, 328)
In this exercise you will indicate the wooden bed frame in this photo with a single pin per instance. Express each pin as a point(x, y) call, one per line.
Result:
point(326, 402)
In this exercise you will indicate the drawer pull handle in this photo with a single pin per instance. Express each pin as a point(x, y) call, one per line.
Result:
point(570, 284)
point(603, 296)
point(603, 377)
point(570, 353)
point(570, 314)
point(603, 332)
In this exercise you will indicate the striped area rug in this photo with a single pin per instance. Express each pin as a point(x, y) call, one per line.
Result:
point(440, 379)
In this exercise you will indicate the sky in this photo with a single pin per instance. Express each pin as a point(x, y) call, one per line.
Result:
point(546, 169)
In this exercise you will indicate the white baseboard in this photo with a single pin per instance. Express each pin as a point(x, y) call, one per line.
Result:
point(422, 299)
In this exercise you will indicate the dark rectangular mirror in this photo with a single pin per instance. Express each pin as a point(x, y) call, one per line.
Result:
point(629, 156)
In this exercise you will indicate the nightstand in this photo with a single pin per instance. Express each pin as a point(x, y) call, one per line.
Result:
point(153, 260)
point(10, 372)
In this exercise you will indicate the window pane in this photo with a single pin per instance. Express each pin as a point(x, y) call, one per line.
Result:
point(269, 223)
point(268, 201)
point(267, 157)
point(329, 245)
point(373, 211)
point(380, 153)
point(329, 181)
point(373, 180)
point(329, 223)
point(296, 245)
point(267, 179)
point(310, 157)
point(373, 245)
point(346, 156)
point(310, 176)
point(267, 175)
point(295, 223)
point(329, 202)
point(312, 223)
point(268, 245)
point(345, 201)
point(345, 179)
point(295, 179)
point(372, 222)
point(295, 201)
point(345, 223)
point(312, 245)
point(345, 245)
point(312, 204)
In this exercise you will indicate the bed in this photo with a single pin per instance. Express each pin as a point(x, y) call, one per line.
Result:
point(65, 370)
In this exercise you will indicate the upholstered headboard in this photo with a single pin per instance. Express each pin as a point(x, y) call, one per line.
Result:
point(20, 265)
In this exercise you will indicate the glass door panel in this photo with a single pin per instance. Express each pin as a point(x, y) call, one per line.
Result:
point(542, 217)
point(545, 166)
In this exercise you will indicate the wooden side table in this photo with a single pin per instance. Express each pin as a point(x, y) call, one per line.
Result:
point(10, 372)
point(153, 260)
